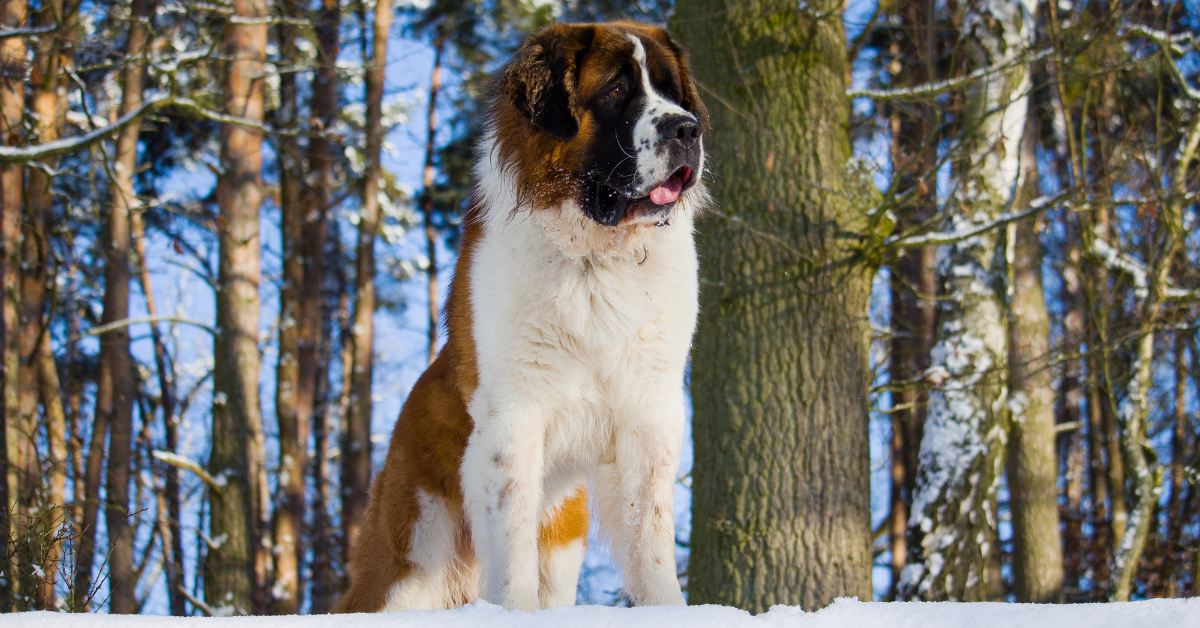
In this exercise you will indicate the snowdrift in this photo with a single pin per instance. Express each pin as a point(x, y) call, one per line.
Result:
point(845, 613)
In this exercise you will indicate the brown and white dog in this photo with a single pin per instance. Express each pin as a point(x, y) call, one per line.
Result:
point(569, 317)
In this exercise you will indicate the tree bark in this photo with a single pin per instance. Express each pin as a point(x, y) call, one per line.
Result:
point(12, 111)
point(1037, 557)
point(172, 533)
point(1175, 503)
point(47, 105)
point(914, 161)
point(1080, 451)
point(435, 85)
point(1135, 408)
point(288, 522)
point(356, 449)
point(326, 584)
point(230, 566)
point(779, 371)
point(962, 453)
point(116, 387)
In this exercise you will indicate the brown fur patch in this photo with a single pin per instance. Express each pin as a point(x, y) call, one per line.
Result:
point(566, 523)
point(425, 452)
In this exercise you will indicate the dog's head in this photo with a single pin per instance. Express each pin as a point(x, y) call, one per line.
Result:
point(605, 115)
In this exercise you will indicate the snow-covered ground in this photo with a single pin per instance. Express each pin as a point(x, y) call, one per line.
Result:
point(845, 613)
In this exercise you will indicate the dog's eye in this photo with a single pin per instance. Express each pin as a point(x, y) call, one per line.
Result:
point(617, 91)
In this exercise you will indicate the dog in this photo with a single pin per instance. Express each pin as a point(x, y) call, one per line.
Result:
point(568, 320)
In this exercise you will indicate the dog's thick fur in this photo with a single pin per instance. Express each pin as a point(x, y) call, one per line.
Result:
point(569, 321)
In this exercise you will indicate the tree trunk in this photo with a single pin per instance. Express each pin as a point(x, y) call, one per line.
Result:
point(326, 584)
point(172, 533)
point(914, 161)
point(1033, 465)
point(47, 105)
point(1175, 504)
point(1102, 531)
point(779, 371)
point(435, 84)
point(1080, 452)
point(1135, 409)
point(12, 112)
point(288, 523)
point(116, 387)
point(962, 453)
point(356, 449)
point(230, 565)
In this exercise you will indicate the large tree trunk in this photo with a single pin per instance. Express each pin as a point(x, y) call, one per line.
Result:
point(1033, 463)
point(230, 566)
point(779, 372)
point(962, 452)
point(12, 110)
point(356, 456)
point(116, 388)
point(914, 160)
point(288, 523)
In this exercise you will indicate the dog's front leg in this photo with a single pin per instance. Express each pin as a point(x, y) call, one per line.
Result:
point(502, 485)
point(640, 498)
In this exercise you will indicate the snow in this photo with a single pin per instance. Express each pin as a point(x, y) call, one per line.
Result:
point(844, 613)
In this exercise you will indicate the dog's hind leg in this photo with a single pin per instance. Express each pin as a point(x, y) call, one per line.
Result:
point(443, 572)
point(562, 542)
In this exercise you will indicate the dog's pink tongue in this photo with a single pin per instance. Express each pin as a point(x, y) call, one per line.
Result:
point(667, 192)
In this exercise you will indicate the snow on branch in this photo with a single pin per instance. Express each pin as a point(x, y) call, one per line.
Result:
point(38, 152)
point(6, 33)
point(933, 89)
point(1159, 37)
point(1115, 260)
point(176, 460)
point(968, 229)
point(1167, 42)
point(125, 322)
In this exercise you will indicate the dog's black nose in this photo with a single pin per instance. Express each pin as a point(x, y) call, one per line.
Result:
point(682, 129)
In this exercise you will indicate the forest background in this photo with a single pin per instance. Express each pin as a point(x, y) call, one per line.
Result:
point(948, 347)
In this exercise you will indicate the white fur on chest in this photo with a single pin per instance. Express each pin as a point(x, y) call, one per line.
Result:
point(569, 330)
point(581, 335)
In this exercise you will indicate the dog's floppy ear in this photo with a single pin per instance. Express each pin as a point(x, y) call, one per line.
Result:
point(540, 80)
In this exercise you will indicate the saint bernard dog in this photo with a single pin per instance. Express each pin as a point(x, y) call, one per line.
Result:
point(569, 321)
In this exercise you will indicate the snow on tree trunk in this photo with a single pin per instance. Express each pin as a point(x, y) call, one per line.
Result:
point(962, 451)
